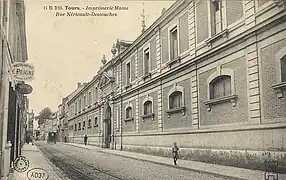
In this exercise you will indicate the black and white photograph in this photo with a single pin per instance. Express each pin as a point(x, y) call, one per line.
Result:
point(143, 90)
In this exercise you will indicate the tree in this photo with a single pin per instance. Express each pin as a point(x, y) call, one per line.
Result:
point(43, 115)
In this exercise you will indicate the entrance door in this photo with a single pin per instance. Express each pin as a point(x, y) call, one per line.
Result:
point(107, 133)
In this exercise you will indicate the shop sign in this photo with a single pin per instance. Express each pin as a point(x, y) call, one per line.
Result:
point(23, 71)
point(24, 88)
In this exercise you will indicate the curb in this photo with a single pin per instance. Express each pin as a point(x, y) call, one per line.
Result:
point(59, 173)
point(164, 164)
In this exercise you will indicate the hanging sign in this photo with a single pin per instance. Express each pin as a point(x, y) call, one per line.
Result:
point(23, 71)
point(24, 88)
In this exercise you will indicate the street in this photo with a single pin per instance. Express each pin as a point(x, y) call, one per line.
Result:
point(78, 163)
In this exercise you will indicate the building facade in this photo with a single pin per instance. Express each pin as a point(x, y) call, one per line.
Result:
point(209, 75)
point(13, 104)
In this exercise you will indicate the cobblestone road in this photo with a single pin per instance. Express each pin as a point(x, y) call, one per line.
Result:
point(99, 165)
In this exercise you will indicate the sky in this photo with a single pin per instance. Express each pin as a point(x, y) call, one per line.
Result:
point(67, 50)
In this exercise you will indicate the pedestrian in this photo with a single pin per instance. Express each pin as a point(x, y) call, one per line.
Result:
point(175, 152)
point(85, 139)
point(33, 140)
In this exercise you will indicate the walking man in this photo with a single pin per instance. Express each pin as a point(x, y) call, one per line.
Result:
point(85, 139)
point(175, 152)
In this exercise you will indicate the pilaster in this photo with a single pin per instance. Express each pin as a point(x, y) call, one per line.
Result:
point(158, 51)
point(137, 114)
point(194, 101)
point(192, 37)
point(253, 86)
point(160, 121)
point(249, 11)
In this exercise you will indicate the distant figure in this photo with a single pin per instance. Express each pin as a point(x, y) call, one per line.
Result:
point(33, 140)
point(65, 139)
point(85, 139)
point(175, 152)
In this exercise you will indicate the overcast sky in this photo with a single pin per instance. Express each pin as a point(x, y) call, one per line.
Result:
point(66, 50)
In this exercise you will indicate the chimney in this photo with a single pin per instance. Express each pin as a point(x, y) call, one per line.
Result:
point(78, 85)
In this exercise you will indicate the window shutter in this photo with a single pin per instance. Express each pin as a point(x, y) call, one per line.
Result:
point(124, 74)
point(165, 51)
point(140, 63)
point(153, 54)
point(234, 10)
point(184, 33)
point(283, 69)
point(132, 61)
point(202, 21)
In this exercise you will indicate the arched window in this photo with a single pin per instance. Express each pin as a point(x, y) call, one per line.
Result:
point(147, 107)
point(175, 100)
point(89, 123)
point(283, 68)
point(128, 113)
point(220, 87)
point(95, 122)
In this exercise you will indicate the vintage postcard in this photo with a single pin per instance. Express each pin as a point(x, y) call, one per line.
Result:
point(142, 89)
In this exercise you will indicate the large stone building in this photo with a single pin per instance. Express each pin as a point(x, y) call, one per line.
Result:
point(13, 103)
point(209, 75)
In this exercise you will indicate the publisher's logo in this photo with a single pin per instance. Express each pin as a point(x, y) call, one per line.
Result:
point(270, 170)
point(21, 164)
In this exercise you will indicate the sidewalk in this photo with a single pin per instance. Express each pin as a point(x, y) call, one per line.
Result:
point(36, 160)
point(224, 171)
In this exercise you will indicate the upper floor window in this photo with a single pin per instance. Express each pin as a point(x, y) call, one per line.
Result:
point(283, 68)
point(84, 101)
point(75, 108)
point(147, 107)
point(79, 126)
point(79, 105)
point(75, 127)
point(95, 122)
point(95, 94)
point(89, 98)
point(146, 60)
point(175, 100)
point(174, 43)
point(128, 113)
point(83, 124)
point(220, 87)
point(217, 16)
point(128, 69)
point(89, 123)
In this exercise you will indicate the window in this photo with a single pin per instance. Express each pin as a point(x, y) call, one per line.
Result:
point(216, 6)
point(128, 69)
point(146, 61)
point(283, 69)
point(89, 98)
point(75, 108)
point(89, 123)
point(220, 87)
point(174, 43)
point(83, 124)
point(84, 101)
point(95, 122)
point(79, 105)
point(95, 94)
point(128, 113)
point(175, 100)
point(79, 126)
point(75, 128)
point(147, 107)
